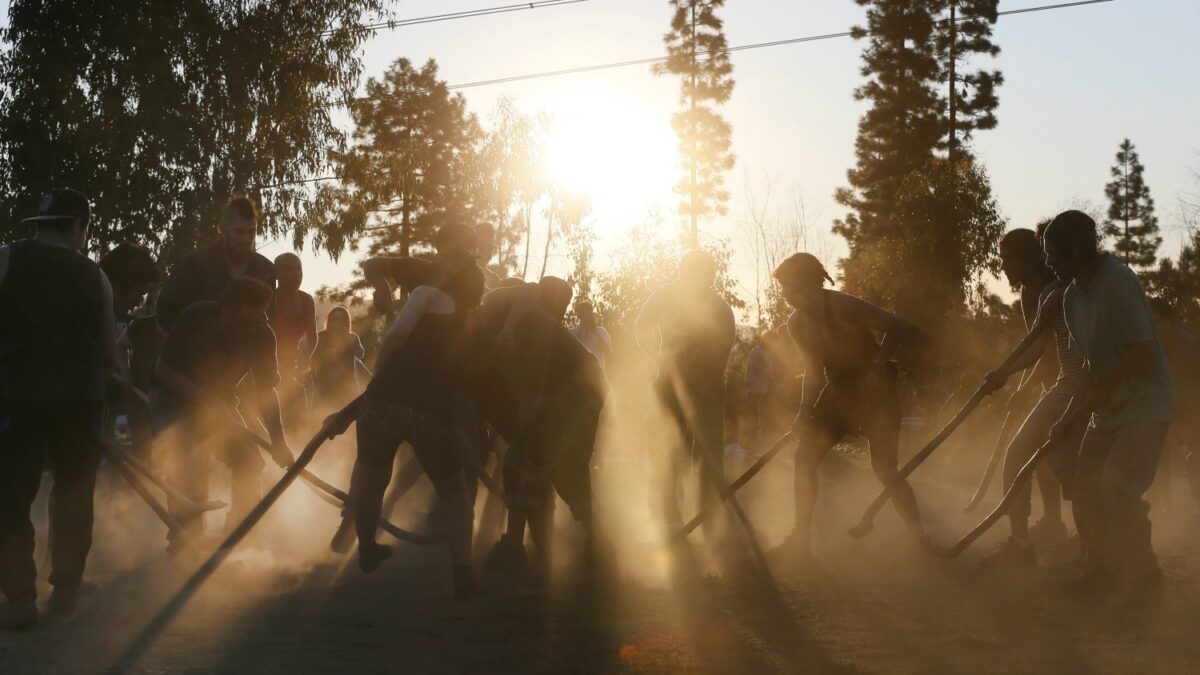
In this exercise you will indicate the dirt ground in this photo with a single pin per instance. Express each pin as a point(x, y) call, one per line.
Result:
point(875, 605)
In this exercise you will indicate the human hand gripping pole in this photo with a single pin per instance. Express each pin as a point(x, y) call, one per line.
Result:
point(335, 425)
point(867, 522)
point(1057, 436)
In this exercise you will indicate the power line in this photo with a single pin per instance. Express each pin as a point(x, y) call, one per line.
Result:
point(451, 16)
point(739, 48)
point(661, 59)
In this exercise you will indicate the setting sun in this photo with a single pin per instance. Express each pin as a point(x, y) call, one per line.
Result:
point(612, 148)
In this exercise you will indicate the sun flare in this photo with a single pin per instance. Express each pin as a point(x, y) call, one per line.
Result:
point(612, 148)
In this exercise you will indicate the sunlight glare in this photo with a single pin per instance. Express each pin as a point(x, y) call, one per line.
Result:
point(612, 148)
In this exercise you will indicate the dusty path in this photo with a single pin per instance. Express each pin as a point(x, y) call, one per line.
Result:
point(873, 606)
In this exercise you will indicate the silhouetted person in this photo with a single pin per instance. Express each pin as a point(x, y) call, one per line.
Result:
point(849, 387)
point(293, 318)
point(336, 359)
point(688, 329)
point(757, 380)
point(57, 351)
point(1129, 394)
point(412, 399)
point(133, 273)
point(203, 274)
point(591, 334)
point(542, 391)
point(211, 348)
point(1023, 262)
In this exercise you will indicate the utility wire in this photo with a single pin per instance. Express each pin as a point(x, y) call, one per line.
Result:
point(661, 59)
point(739, 48)
point(465, 14)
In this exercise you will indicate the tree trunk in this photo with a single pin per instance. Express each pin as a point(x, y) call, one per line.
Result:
point(549, 239)
point(526, 208)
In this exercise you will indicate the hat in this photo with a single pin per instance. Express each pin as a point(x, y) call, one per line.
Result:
point(63, 204)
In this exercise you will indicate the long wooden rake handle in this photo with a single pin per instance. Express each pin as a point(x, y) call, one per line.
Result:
point(867, 522)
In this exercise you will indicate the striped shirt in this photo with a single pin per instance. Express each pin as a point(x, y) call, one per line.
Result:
point(1071, 363)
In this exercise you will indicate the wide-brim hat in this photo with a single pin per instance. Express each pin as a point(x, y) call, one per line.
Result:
point(63, 204)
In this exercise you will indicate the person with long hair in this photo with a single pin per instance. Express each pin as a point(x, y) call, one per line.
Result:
point(336, 360)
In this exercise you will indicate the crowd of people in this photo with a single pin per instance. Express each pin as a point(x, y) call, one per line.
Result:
point(475, 369)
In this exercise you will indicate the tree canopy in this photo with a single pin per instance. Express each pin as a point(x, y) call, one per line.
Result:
point(160, 111)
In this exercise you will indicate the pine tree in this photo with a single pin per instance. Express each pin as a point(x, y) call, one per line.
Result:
point(914, 57)
point(697, 53)
point(413, 146)
point(971, 94)
point(1131, 221)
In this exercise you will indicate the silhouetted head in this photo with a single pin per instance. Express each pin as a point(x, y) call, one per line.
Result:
point(555, 296)
point(244, 304)
point(697, 269)
point(455, 240)
point(1071, 244)
point(801, 277)
point(239, 227)
point(585, 313)
point(485, 242)
point(338, 320)
point(133, 273)
point(67, 214)
point(289, 272)
point(1022, 259)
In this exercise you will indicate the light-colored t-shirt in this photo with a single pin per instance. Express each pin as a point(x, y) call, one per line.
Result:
point(1105, 317)
point(596, 341)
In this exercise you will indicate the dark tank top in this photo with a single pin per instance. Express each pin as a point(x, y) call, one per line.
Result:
point(844, 351)
point(50, 313)
point(423, 374)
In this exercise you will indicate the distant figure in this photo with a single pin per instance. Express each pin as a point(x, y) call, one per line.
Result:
point(293, 317)
point(591, 335)
point(1130, 399)
point(849, 388)
point(688, 329)
point(412, 399)
point(203, 274)
point(1023, 263)
point(335, 361)
point(57, 351)
point(211, 348)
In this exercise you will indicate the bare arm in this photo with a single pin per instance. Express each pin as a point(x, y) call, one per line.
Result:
point(267, 403)
point(524, 300)
point(862, 313)
point(400, 330)
point(814, 371)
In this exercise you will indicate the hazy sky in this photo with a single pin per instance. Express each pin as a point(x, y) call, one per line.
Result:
point(1078, 80)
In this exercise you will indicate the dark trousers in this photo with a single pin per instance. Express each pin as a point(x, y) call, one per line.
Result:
point(1116, 467)
point(66, 436)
